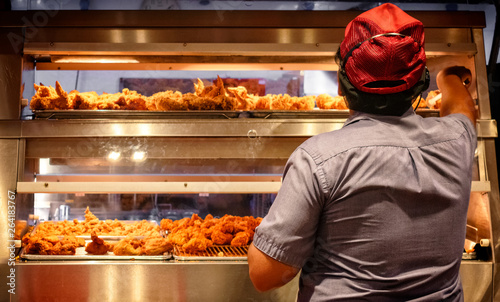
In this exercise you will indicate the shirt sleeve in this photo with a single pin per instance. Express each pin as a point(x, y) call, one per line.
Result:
point(287, 232)
point(470, 128)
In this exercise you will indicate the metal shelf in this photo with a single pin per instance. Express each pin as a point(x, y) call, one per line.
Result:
point(248, 187)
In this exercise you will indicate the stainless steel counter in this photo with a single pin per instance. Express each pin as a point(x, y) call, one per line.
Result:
point(141, 281)
point(177, 281)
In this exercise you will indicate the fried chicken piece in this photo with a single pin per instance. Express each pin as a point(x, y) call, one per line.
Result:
point(241, 239)
point(302, 103)
point(84, 100)
point(52, 239)
point(209, 222)
point(253, 222)
point(150, 104)
point(226, 224)
point(26, 238)
point(51, 245)
point(286, 102)
point(89, 216)
point(179, 237)
point(76, 241)
point(183, 223)
point(169, 100)
point(432, 100)
point(110, 246)
point(192, 101)
point(128, 247)
point(156, 246)
point(219, 102)
point(241, 226)
point(221, 238)
point(131, 100)
point(37, 245)
point(207, 232)
point(110, 101)
point(90, 220)
point(49, 98)
point(420, 101)
point(263, 102)
point(195, 217)
point(213, 97)
point(63, 249)
point(167, 224)
point(141, 228)
point(211, 91)
point(127, 99)
point(280, 102)
point(198, 88)
point(225, 102)
point(197, 244)
point(97, 246)
point(245, 101)
point(325, 101)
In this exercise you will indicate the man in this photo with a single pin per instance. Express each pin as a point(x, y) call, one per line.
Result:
point(376, 210)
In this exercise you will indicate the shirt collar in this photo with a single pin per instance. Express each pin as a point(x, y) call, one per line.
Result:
point(356, 116)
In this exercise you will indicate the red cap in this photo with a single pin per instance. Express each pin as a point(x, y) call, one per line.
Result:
point(386, 57)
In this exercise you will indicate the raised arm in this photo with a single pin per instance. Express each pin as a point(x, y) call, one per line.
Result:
point(453, 82)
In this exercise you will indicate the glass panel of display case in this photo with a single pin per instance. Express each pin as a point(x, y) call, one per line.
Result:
point(58, 207)
point(145, 83)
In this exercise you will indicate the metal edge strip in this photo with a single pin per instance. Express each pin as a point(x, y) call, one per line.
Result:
point(148, 187)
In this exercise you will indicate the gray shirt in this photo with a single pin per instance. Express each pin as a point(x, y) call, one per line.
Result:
point(376, 210)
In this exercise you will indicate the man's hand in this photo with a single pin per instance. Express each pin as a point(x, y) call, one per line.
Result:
point(460, 71)
point(453, 82)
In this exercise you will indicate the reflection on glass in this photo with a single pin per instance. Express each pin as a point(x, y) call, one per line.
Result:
point(114, 156)
point(139, 156)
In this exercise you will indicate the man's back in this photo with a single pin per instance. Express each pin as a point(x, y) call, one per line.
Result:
point(396, 196)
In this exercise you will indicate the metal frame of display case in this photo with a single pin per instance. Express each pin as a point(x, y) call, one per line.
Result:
point(197, 40)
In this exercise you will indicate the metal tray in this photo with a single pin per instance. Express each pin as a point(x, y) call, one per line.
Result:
point(211, 254)
point(134, 114)
point(299, 114)
point(318, 114)
point(82, 255)
point(208, 258)
point(428, 112)
point(201, 114)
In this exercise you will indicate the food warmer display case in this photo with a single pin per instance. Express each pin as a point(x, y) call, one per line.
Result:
point(149, 165)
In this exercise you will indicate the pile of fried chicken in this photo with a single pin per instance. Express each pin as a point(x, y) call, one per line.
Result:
point(195, 234)
point(52, 244)
point(101, 227)
point(214, 97)
point(130, 246)
point(60, 238)
point(190, 235)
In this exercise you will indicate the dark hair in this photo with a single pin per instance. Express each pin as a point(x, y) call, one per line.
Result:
point(388, 104)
